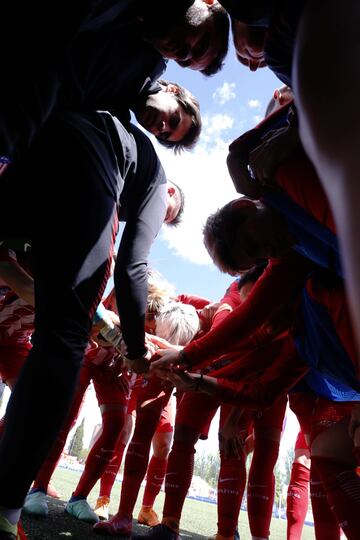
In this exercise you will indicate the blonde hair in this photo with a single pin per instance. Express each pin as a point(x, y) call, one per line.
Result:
point(177, 323)
point(160, 292)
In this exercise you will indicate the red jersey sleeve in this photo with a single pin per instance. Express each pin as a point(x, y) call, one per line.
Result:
point(197, 301)
point(228, 303)
point(275, 381)
point(275, 287)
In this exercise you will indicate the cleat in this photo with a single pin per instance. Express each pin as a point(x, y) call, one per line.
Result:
point(148, 516)
point(102, 507)
point(36, 504)
point(117, 525)
point(159, 532)
point(81, 510)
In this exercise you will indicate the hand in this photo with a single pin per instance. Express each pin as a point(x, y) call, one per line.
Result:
point(169, 358)
point(275, 148)
point(237, 163)
point(187, 382)
point(207, 313)
point(139, 365)
point(160, 343)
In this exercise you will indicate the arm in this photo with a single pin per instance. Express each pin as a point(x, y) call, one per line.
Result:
point(259, 393)
point(130, 274)
point(275, 286)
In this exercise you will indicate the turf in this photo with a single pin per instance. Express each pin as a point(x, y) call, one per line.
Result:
point(199, 518)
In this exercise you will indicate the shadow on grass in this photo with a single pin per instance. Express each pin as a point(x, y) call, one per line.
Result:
point(60, 526)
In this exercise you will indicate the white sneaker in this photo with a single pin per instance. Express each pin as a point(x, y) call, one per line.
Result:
point(81, 510)
point(36, 504)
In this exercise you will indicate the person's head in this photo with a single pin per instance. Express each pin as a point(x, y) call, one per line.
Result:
point(175, 204)
point(249, 278)
point(249, 44)
point(198, 39)
point(177, 323)
point(172, 115)
point(244, 233)
point(281, 97)
point(159, 294)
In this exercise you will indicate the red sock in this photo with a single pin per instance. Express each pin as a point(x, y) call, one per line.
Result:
point(154, 479)
point(325, 524)
point(297, 500)
point(102, 451)
point(178, 479)
point(342, 486)
point(261, 486)
point(136, 461)
point(231, 485)
point(109, 476)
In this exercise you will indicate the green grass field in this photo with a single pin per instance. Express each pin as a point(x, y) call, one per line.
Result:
point(198, 517)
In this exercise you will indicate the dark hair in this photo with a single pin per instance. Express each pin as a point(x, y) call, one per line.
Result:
point(252, 275)
point(219, 231)
point(191, 106)
point(221, 31)
point(180, 197)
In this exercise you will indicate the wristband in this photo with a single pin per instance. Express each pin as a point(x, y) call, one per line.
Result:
point(198, 382)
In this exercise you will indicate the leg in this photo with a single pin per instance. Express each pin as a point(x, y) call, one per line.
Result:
point(332, 456)
point(156, 470)
point(261, 482)
point(148, 412)
point(298, 491)
point(232, 477)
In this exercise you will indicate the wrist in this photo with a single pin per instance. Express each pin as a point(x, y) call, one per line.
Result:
point(183, 361)
point(198, 381)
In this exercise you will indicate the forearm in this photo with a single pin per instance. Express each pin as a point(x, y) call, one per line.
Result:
point(263, 391)
point(278, 281)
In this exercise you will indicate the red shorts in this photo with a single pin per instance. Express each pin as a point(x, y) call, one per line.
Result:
point(196, 411)
point(300, 441)
point(272, 417)
point(327, 414)
point(109, 389)
point(12, 359)
point(150, 390)
point(167, 420)
point(302, 404)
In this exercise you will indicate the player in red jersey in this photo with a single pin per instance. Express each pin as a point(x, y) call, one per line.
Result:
point(324, 342)
point(177, 322)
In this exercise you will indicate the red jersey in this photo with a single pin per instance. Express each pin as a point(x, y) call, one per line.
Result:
point(275, 287)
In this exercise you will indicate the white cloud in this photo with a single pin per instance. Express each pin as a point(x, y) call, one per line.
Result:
point(224, 93)
point(254, 103)
point(214, 124)
point(203, 176)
